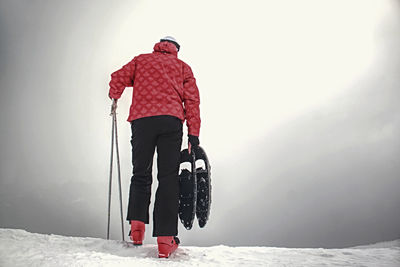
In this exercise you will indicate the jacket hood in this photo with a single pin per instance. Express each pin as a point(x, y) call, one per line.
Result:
point(166, 47)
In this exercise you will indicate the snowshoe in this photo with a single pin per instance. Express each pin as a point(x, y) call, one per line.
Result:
point(187, 192)
point(195, 188)
point(203, 177)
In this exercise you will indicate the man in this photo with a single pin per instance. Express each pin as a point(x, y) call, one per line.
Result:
point(164, 96)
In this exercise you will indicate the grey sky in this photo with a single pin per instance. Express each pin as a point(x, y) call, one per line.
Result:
point(300, 112)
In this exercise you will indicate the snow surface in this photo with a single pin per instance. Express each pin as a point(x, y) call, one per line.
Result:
point(21, 248)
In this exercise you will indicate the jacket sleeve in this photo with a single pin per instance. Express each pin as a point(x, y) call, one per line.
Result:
point(121, 79)
point(191, 100)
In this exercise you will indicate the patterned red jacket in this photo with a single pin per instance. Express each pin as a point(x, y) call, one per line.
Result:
point(162, 85)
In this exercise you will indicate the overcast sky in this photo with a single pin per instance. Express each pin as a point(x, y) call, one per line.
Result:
point(299, 104)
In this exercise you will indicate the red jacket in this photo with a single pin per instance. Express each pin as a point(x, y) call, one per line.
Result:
point(162, 85)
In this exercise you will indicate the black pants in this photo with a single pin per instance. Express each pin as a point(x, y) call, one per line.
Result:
point(165, 134)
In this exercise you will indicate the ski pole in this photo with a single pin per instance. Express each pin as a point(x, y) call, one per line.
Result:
point(119, 176)
point(110, 177)
point(114, 138)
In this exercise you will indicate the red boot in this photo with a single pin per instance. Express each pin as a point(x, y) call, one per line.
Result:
point(167, 245)
point(137, 232)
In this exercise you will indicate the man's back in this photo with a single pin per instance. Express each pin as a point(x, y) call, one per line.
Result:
point(161, 84)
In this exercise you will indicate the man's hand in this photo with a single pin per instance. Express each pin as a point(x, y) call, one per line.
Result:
point(113, 107)
point(193, 142)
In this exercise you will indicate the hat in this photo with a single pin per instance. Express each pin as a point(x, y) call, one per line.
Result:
point(171, 40)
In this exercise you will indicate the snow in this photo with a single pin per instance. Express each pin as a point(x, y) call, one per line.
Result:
point(21, 248)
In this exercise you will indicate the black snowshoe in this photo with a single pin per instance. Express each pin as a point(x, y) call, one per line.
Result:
point(195, 188)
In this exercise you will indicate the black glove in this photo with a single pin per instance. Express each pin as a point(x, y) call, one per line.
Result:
point(194, 140)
